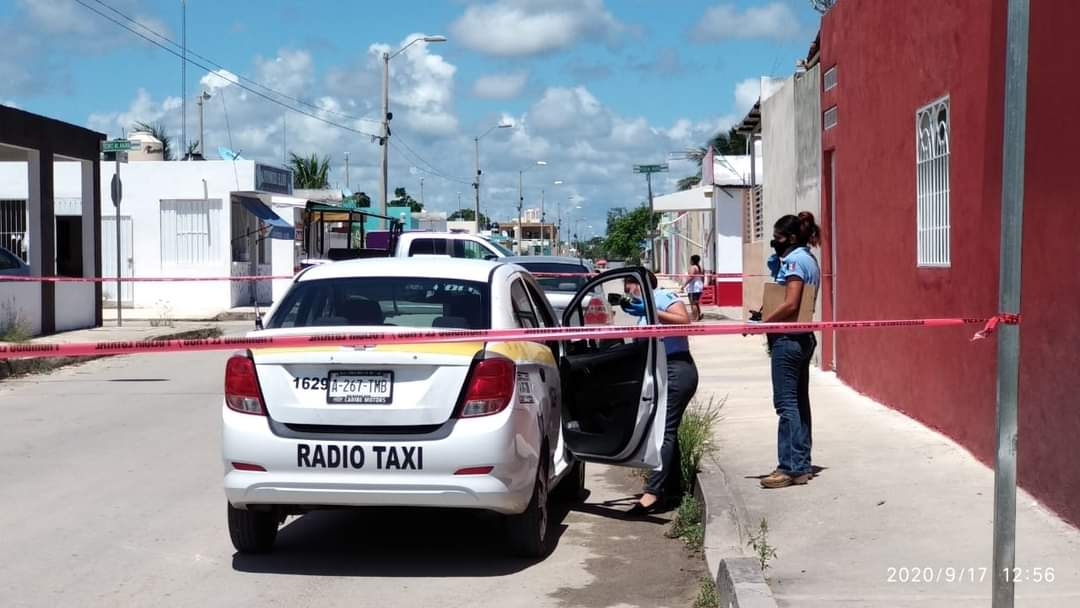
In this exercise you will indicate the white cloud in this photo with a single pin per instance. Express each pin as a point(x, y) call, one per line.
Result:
point(576, 109)
point(588, 145)
point(500, 86)
point(74, 25)
point(746, 94)
point(776, 21)
point(521, 28)
point(218, 79)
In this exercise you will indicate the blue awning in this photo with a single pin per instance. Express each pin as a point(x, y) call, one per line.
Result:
point(279, 228)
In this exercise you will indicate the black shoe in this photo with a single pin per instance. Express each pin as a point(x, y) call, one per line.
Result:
point(640, 510)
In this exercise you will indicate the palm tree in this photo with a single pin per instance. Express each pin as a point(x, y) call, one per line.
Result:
point(157, 129)
point(310, 173)
point(731, 143)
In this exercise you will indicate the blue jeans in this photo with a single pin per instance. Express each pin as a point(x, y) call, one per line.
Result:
point(682, 377)
point(791, 354)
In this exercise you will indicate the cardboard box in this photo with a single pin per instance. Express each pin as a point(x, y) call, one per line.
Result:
point(773, 297)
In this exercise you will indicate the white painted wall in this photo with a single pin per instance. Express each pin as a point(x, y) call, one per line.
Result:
point(21, 303)
point(74, 306)
point(146, 184)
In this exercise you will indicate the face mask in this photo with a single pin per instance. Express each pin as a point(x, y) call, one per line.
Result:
point(780, 247)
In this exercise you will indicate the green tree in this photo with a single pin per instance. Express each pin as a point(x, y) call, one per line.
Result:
point(402, 199)
point(627, 230)
point(363, 200)
point(467, 215)
point(157, 129)
point(594, 248)
point(310, 173)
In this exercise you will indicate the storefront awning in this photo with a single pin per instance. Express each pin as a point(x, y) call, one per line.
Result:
point(279, 228)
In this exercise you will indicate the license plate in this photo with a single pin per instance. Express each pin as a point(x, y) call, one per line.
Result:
point(364, 388)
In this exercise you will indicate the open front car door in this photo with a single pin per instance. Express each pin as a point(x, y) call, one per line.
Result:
point(614, 392)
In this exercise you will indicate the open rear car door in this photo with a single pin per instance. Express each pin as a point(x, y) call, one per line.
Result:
point(614, 390)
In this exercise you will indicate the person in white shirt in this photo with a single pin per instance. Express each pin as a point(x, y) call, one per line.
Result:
point(694, 286)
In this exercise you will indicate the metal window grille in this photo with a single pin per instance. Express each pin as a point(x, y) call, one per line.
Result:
point(932, 184)
point(830, 118)
point(830, 78)
point(189, 232)
point(14, 231)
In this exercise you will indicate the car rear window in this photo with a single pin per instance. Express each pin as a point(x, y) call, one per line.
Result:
point(396, 301)
point(567, 284)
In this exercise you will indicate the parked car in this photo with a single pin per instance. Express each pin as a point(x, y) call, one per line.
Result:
point(12, 265)
point(560, 290)
point(480, 425)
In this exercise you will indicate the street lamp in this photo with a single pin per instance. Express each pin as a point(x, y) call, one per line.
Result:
point(384, 141)
point(521, 201)
point(476, 184)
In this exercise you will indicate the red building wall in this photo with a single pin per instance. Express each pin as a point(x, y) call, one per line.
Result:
point(892, 59)
point(1049, 424)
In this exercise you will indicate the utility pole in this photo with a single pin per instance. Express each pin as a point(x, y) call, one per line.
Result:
point(183, 81)
point(476, 186)
point(347, 185)
point(203, 97)
point(648, 170)
point(421, 192)
point(385, 142)
point(521, 202)
point(1009, 285)
point(541, 221)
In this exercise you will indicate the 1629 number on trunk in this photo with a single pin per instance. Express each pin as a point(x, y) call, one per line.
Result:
point(312, 383)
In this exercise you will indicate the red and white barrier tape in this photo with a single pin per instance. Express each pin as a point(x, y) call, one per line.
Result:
point(543, 275)
point(39, 350)
point(4, 279)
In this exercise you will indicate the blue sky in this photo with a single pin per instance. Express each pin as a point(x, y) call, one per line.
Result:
point(591, 86)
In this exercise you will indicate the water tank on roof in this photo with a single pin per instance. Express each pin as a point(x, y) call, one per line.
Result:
point(149, 147)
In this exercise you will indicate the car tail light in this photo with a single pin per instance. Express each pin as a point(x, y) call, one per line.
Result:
point(490, 388)
point(242, 386)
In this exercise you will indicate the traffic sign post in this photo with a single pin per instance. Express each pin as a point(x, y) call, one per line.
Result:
point(119, 147)
point(648, 170)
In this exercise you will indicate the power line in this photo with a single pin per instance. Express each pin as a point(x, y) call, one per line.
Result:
point(239, 84)
point(221, 67)
point(415, 155)
point(433, 170)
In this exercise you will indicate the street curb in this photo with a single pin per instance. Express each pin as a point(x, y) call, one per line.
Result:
point(739, 580)
point(13, 368)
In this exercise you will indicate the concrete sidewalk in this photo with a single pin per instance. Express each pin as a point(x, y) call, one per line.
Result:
point(895, 503)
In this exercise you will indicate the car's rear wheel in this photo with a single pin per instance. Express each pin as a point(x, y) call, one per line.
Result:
point(572, 486)
point(528, 533)
point(252, 531)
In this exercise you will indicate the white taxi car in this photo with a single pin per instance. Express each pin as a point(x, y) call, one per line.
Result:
point(478, 425)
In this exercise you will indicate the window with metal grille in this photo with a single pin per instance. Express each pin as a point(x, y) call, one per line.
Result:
point(190, 232)
point(14, 233)
point(932, 184)
point(829, 119)
point(830, 78)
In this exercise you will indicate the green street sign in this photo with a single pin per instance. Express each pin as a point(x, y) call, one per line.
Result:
point(650, 168)
point(116, 145)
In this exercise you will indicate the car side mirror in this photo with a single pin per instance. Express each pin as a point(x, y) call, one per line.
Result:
point(491, 256)
point(614, 299)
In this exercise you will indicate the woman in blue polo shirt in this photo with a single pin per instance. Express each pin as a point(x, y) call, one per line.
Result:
point(795, 267)
point(664, 489)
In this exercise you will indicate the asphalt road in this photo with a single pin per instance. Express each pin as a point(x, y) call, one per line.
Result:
point(110, 495)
